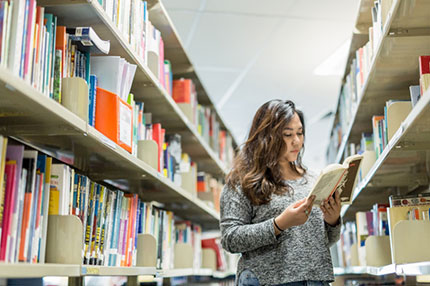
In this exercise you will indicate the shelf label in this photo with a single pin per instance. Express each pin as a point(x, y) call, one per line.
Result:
point(91, 270)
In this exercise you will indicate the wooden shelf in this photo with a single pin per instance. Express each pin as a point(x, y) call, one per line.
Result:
point(146, 86)
point(402, 164)
point(393, 69)
point(26, 270)
point(46, 125)
point(93, 270)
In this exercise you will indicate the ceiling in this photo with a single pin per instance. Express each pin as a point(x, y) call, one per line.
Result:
point(247, 53)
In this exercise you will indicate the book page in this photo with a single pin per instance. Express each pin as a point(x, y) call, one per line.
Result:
point(325, 185)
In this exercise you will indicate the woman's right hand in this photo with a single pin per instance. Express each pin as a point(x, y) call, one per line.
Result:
point(295, 214)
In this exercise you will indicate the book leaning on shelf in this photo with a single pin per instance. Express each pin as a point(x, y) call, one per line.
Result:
point(337, 177)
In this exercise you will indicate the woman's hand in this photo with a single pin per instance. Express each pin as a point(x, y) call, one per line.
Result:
point(295, 214)
point(331, 209)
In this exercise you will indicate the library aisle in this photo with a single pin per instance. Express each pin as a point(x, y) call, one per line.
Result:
point(122, 121)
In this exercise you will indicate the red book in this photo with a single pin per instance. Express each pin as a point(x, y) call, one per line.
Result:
point(10, 172)
point(424, 64)
point(157, 136)
point(213, 244)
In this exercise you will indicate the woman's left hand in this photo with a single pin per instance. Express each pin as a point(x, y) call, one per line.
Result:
point(331, 209)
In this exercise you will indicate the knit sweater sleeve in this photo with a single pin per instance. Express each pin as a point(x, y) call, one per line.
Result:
point(333, 232)
point(238, 234)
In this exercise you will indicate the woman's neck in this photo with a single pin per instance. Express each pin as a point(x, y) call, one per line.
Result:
point(288, 173)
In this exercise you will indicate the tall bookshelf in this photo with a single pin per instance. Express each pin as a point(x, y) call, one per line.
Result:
point(39, 122)
point(394, 67)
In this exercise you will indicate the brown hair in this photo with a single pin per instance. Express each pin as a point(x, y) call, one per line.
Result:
point(256, 167)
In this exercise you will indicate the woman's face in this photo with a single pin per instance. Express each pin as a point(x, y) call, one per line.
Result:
point(293, 138)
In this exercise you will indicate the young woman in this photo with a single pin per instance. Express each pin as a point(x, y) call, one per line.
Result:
point(265, 215)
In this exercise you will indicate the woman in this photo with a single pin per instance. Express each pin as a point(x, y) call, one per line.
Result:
point(265, 214)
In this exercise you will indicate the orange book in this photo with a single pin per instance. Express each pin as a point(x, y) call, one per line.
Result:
point(24, 226)
point(61, 44)
point(182, 90)
point(109, 109)
point(129, 227)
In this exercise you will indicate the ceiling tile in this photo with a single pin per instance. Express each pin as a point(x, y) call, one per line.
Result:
point(257, 7)
point(182, 4)
point(217, 82)
point(337, 10)
point(227, 40)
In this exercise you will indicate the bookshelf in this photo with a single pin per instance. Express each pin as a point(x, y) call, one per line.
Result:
point(65, 136)
point(401, 167)
point(393, 68)
point(146, 86)
point(402, 164)
point(37, 121)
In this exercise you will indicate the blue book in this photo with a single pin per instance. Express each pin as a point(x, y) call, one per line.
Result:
point(92, 100)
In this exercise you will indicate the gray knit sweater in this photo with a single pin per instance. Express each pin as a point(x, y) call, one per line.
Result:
point(299, 253)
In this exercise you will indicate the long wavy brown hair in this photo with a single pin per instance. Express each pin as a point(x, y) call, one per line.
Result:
point(256, 167)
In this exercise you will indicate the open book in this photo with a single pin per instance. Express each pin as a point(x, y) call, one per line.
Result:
point(337, 177)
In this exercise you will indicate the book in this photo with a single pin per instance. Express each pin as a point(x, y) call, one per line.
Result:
point(341, 177)
point(414, 90)
point(88, 40)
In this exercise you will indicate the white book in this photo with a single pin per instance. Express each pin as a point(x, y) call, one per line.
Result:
point(108, 72)
point(60, 189)
point(71, 189)
point(5, 55)
point(16, 33)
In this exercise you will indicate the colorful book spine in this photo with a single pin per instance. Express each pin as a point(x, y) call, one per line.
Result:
point(10, 172)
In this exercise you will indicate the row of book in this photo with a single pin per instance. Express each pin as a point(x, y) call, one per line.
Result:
point(384, 126)
point(34, 187)
point(108, 74)
point(209, 189)
point(132, 19)
point(204, 118)
point(49, 53)
point(379, 221)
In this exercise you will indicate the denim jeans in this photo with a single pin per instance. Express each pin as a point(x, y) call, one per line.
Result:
point(247, 278)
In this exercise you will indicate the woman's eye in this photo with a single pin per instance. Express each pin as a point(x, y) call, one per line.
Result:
point(287, 135)
point(300, 134)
